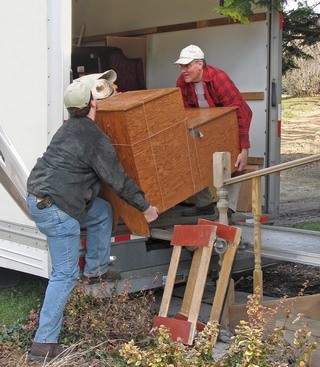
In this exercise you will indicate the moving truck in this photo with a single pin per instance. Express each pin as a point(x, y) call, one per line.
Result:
point(39, 41)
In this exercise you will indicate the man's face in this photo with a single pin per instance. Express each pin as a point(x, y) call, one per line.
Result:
point(193, 71)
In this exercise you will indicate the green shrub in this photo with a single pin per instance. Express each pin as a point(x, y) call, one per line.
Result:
point(252, 346)
point(115, 331)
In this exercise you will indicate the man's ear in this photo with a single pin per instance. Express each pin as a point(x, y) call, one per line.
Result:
point(93, 102)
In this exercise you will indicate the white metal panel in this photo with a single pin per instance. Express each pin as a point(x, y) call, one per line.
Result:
point(59, 61)
point(24, 248)
point(23, 92)
point(28, 259)
point(23, 81)
point(274, 112)
point(34, 33)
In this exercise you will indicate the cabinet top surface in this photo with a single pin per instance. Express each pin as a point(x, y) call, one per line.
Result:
point(128, 100)
point(199, 116)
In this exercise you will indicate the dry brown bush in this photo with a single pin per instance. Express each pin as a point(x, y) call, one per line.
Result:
point(306, 80)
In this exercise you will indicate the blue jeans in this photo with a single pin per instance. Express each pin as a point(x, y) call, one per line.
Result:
point(63, 238)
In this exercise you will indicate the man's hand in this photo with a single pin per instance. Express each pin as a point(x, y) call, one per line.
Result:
point(151, 214)
point(242, 160)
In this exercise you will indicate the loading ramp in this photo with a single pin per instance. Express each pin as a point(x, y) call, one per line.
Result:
point(278, 243)
point(287, 244)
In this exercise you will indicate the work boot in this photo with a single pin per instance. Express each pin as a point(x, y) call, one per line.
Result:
point(44, 351)
point(198, 211)
point(109, 276)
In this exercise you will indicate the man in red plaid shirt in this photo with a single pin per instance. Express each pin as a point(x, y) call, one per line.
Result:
point(203, 85)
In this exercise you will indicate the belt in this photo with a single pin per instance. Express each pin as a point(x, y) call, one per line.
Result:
point(36, 197)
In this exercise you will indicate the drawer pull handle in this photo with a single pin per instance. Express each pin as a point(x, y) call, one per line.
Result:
point(196, 133)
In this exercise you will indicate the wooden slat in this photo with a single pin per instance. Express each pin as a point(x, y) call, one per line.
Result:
point(224, 278)
point(199, 284)
point(169, 28)
point(225, 290)
point(223, 231)
point(178, 328)
point(256, 161)
point(193, 273)
point(190, 286)
point(171, 276)
point(307, 305)
point(253, 96)
point(181, 316)
point(191, 235)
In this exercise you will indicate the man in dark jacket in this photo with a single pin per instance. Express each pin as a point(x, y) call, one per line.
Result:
point(204, 85)
point(62, 198)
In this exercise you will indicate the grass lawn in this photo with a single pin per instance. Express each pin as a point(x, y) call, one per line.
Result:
point(315, 226)
point(16, 302)
point(299, 107)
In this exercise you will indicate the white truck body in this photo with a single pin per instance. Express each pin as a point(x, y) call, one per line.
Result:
point(35, 54)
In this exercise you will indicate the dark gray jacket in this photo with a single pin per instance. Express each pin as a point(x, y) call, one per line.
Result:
point(79, 157)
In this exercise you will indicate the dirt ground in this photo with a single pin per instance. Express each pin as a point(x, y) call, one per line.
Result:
point(300, 187)
point(285, 279)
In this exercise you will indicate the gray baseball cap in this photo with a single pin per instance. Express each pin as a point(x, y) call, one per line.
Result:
point(78, 94)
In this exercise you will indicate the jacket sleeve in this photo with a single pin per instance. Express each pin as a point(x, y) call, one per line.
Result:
point(111, 172)
point(229, 96)
point(184, 91)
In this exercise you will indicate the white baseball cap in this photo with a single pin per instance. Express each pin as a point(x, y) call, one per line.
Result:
point(189, 54)
point(78, 94)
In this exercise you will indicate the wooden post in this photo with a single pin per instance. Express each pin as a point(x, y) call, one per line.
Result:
point(256, 210)
point(221, 172)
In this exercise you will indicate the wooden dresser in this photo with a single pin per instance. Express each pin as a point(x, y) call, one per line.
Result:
point(165, 148)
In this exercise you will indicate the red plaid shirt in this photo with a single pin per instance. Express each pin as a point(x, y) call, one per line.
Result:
point(220, 91)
